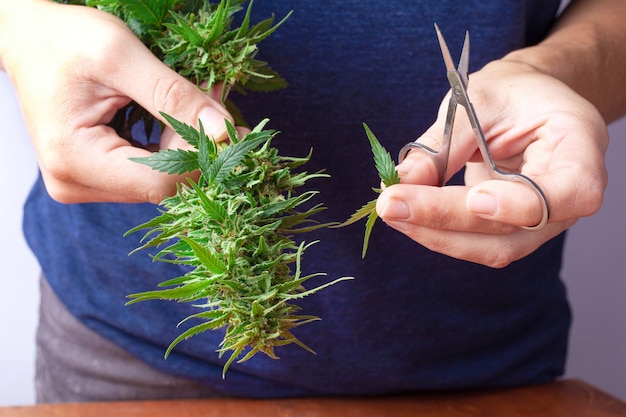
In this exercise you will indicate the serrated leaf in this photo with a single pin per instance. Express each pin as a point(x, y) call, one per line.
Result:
point(384, 163)
point(361, 213)
point(187, 132)
point(229, 157)
point(171, 161)
point(151, 12)
point(388, 175)
point(218, 23)
point(206, 151)
point(369, 225)
point(233, 135)
point(183, 28)
point(245, 23)
point(187, 291)
point(192, 331)
point(206, 257)
point(213, 209)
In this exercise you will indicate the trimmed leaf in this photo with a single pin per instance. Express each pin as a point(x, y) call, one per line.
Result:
point(384, 163)
point(388, 175)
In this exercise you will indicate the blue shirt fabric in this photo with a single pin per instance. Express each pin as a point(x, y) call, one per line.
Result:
point(412, 319)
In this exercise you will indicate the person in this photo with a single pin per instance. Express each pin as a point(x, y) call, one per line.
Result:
point(476, 302)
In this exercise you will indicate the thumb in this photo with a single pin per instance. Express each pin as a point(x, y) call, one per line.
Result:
point(436, 157)
point(506, 202)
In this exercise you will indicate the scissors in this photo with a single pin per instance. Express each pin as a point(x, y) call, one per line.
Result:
point(458, 79)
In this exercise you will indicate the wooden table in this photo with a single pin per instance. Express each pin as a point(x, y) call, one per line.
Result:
point(568, 398)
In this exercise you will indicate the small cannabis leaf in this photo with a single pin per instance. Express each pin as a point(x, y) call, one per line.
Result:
point(388, 175)
point(234, 228)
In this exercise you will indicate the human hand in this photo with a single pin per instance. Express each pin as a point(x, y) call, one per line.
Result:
point(72, 68)
point(535, 125)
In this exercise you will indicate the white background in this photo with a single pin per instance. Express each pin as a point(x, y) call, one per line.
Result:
point(595, 270)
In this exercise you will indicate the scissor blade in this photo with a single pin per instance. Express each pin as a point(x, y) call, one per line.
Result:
point(447, 58)
point(463, 67)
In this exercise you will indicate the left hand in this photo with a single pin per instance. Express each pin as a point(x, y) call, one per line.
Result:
point(536, 125)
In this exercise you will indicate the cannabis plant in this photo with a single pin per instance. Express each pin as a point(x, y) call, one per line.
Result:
point(232, 229)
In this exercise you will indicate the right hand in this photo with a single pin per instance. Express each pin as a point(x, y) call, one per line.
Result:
point(72, 68)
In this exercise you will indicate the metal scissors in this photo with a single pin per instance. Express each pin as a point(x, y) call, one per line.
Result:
point(458, 79)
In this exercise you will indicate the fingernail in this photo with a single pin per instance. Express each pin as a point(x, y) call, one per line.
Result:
point(394, 209)
point(482, 203)
point(405, 167)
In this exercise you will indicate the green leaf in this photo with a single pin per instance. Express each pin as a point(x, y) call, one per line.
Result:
point(150, 12)
point(187, 32)
point(204, 255)
point(172, 161)
point(206, 151)
point(185, 292)
point(187, 132)
point(218, 23)
point(213, 209)
point(369, 225)
point(200, 328)
point(232, 229)
point(228, 158)
point(361, 213)
point(388, 175)
point(384, 163)
point(233, 135)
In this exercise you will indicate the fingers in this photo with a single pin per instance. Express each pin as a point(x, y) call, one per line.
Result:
point(440, 219)
point(440, 208)
point(423, 167)
point(68, 103)
point(157, 88)
point(492, 250)
point(94, 165)
point(506, 202)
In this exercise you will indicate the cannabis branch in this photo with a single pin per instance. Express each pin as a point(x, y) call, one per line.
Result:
point(233, 228)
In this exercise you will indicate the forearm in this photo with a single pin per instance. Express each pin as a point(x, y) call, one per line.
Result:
point(586, 50)
point(14, 15)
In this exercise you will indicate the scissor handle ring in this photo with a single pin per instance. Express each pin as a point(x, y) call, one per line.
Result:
point(496, 174)
point(439, 158)
point(545, 215)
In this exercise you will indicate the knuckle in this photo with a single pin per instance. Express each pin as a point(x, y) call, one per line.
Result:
point(58, 194)
point(159, 188)
point(111, 43)
point(500, 257)
point(55, 164)
point(156, 196)
point(595, 196)
point(170, 93)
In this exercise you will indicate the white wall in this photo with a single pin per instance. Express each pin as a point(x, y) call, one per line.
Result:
point(19, 292)
point(595, 271)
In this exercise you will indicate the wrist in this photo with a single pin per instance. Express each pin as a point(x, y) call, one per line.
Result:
point(585, 51)
point(575, 62)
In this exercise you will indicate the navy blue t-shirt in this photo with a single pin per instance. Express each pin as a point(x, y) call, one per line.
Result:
point(411, 319)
